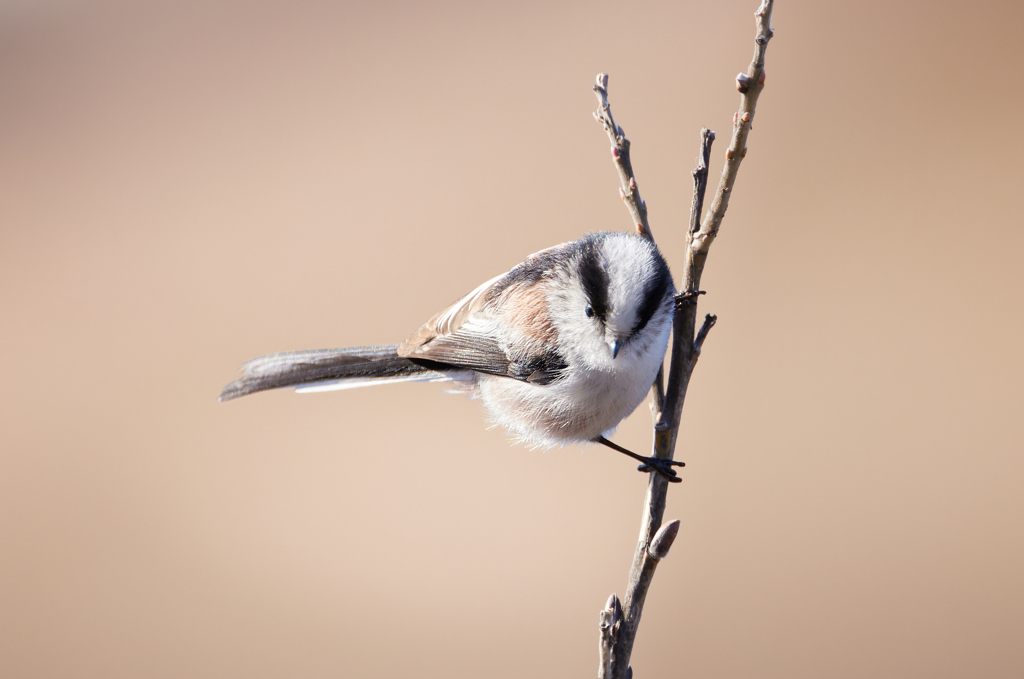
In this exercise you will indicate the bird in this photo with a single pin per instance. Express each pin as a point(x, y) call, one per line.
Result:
point(559, 350)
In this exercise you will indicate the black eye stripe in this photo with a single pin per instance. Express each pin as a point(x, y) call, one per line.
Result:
point(654, 293)
point(594, 277)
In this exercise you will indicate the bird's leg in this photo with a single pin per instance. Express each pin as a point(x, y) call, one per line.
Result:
point(650, 464)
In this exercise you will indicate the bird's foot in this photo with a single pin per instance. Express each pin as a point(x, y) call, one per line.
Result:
point(662, 467)
point(688, 297)
point(650, 464)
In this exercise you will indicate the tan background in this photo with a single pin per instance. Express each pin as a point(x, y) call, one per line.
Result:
point(186, 185)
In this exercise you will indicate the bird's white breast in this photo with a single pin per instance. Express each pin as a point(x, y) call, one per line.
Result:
point(585, 403)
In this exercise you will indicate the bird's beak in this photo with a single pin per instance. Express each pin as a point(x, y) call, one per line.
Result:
point(614, 346)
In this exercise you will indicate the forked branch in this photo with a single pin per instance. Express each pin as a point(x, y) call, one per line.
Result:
point(619, 621)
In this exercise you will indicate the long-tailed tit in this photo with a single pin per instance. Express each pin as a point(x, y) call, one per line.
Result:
point(560, 349)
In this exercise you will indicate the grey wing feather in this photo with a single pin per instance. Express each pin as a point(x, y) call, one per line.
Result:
point(461, 336)
point(451, 318)
point(478, 352)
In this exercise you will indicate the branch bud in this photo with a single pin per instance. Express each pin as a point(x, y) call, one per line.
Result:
point(663, 539)
point(611, 614)
point(742, 83)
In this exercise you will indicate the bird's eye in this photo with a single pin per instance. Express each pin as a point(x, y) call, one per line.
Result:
point(589, 311)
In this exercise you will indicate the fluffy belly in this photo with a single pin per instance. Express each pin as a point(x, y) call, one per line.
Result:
point(572, 409)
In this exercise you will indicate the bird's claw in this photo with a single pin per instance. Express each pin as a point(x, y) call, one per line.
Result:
point(650, 464)
point(662, 467)
point(688, 297)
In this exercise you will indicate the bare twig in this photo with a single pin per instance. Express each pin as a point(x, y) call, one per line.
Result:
point(617, 637)
point(709, 322)
point(658, 401)
point(749, 85)
point(628, 190)
point(700, 180)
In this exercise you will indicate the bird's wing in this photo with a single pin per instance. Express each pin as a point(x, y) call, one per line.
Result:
point(461, 335)
point(453, 317)
point(466, 334)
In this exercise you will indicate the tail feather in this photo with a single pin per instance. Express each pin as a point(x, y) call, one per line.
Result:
point(320, 369)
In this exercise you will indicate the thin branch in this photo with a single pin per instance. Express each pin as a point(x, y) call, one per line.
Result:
point(749, 85)
point(617, 638)
point(655, 552)
point(666, 430)
point(700, 181)
point(628, 190)
point(702, 334)
point(658, 402)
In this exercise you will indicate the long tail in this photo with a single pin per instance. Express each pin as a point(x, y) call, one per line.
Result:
point(324, 369)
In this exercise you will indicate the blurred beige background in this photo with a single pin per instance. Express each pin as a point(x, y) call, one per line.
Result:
point(186, 185)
